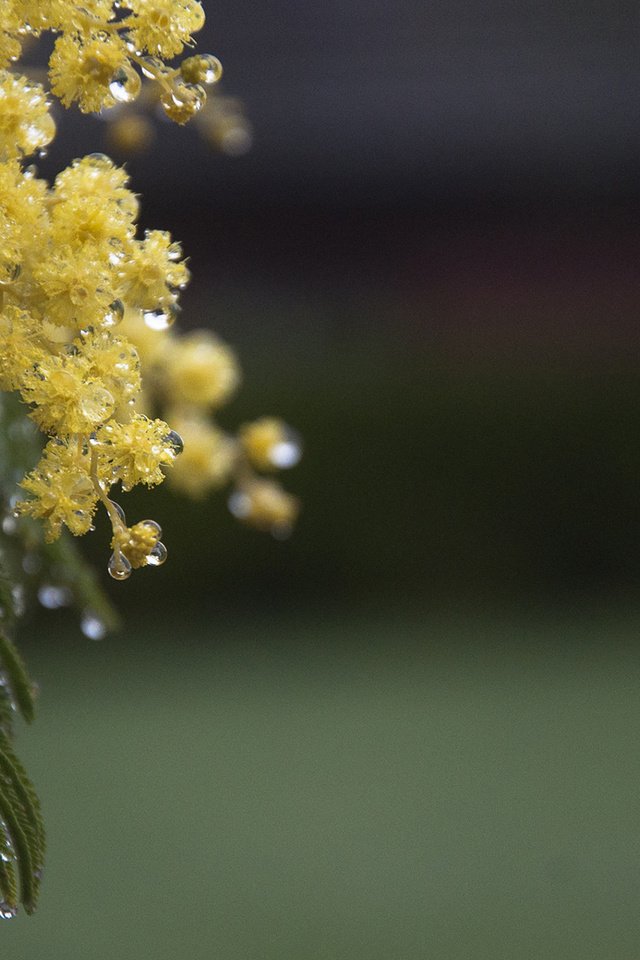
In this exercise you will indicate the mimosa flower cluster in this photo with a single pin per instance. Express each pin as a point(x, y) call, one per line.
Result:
point(87, 305)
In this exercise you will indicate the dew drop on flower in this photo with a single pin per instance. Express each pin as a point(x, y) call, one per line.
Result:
point(152, 67)
point(115, 314)
point(174, 440)
point(7, 912)
point(125, 86)
point(95, 160)
point(204, 68)
point(157, 556)
point(118, 509)
point(212, 71)
point(97, 405)
point(92, 626)
point(161, 318)
point(119, 567)
point(154, 527)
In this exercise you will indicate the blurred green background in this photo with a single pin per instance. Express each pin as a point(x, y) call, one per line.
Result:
point(409, 731)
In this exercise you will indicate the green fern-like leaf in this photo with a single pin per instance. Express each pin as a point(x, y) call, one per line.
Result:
point(21, 828)
point(16, 678)
point(20, 814)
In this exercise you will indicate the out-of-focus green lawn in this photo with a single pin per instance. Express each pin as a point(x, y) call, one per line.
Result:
point(316, 789)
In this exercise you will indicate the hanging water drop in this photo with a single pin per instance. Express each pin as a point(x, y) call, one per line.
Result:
point(119, 567)
point(157, 556)
point(125, 86)
point(204, 68)
point(153, 527)
point(118, 509)
point(160, 318)
point(114, 315)
point(174, 440)
point(7, 912)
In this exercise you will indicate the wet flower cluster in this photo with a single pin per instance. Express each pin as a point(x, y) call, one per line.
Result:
point(102, 49)
point(87, 305)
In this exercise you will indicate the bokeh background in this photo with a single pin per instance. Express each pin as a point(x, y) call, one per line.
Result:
point(411, 730)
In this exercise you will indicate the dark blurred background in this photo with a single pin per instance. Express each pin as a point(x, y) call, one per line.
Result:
point(409, 731)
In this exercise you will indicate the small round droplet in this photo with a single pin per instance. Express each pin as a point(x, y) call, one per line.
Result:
point(174, 440)
point(152, 67)
point(157, 556)
point(153, 527)
point(204, 68)
point(161, 318)
point(183, 101)
point(119, 567)
point(125, 86)
point(7, 912)
point(118, 509)
point(97, 405)
point(92, 626)
point(114, 315)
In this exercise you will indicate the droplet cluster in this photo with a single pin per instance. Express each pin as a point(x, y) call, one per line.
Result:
point(88, 306)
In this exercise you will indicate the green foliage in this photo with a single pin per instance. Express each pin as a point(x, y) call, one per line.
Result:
point(21, 827)
point(16, 679)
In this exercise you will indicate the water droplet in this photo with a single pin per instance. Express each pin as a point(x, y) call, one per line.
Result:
point(152, 67)
point(118, 509)
point(92, 626)
point(7, 912)
point(212, 72)
point(97, 405)
point(119, 567)
point(153, 527)
point(115, 314)
point(96, 160)
point(183, 101)
point(161, 318)
point(157, 556)
point(125, 86)
point(204, 68)
point(53, 597)
point(174, 440)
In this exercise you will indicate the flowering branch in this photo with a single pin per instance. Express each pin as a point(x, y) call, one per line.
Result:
point(88, 347)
